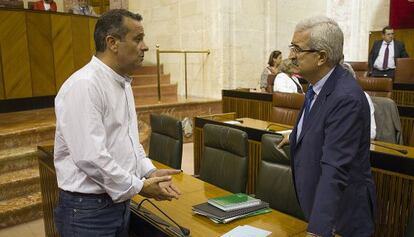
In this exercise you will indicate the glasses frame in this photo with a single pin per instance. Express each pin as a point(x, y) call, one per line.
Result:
point(296, 49)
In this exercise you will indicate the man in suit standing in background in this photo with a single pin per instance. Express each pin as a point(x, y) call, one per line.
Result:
point(383, 55)
point(331, 139)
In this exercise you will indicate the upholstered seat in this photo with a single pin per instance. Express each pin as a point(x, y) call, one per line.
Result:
point(286, 107)
point(275, 181)
point(225, 157)
point(166, 142)
point(375, 86)
point(270, 82)
point(360, 68)
point(404, 71)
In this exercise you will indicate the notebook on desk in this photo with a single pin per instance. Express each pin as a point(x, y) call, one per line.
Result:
point(221, 216)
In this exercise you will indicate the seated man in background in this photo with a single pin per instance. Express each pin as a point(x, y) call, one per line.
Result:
point(45, 5)
point(383, 55)
point(285, 81)
point(83, 8)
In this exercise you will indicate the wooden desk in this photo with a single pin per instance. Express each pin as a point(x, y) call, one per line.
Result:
point(393, 171)
point(195, 191)
point(258, 105)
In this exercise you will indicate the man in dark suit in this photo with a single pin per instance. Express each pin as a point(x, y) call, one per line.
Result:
point(331, 139)
point(383, 55)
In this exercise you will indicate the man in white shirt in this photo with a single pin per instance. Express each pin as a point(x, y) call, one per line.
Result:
point(99, 161)
point(383, 55)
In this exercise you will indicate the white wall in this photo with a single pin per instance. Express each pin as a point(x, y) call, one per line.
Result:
point(242, 33)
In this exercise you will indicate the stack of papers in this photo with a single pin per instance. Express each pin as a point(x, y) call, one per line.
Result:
point(247, 231)
point(219, 216)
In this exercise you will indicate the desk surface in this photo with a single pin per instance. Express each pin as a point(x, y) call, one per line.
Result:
point(263, 125)
point(195, 191)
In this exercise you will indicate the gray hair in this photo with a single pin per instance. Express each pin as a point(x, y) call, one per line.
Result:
point(287, 66)
point(325, 34)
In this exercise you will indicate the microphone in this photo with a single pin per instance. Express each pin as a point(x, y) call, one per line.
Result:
point(185, 231)
point(403, 151)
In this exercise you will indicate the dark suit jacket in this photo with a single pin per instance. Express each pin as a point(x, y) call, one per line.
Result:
point(39, 6)
point(330, 160)
point(399, 52)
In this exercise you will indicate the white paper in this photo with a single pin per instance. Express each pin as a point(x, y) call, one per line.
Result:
point(233, 122)
point(283, 132)
point(247, 231)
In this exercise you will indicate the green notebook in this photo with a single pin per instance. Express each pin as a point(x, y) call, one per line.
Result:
point(234, 202)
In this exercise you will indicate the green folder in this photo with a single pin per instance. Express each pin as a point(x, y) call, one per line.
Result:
point(234, 202)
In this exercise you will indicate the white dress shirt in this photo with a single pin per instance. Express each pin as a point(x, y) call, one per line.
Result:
point(46, 6)
point(97, 148)
point(372, 112)
point(380, 59)
point(283, 83)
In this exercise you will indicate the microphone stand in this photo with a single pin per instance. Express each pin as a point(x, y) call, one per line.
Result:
point(184, 231)
point(402, 151)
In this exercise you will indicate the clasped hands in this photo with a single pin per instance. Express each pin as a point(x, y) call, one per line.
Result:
point(159, 185)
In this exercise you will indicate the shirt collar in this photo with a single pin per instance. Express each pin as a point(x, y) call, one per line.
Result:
point(121, 79)
point(318, 85)
point(385, 43)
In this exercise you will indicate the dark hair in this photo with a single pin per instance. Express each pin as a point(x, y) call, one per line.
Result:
point(273, 55)
point(111, 23)
point(386, 28)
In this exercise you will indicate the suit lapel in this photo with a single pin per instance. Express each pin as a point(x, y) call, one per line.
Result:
point(320, 100)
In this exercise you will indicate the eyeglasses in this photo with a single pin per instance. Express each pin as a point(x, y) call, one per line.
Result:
point(296, 49)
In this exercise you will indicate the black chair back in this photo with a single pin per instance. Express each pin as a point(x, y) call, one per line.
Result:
point(225, 157)
point(275, 181)
point(166, 142)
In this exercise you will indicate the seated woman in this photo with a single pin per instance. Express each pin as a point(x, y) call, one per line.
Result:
point(273, 63)
point(285, 81)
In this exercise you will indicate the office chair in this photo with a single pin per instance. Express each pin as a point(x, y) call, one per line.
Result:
point(166, 142)
point(275, 181)
point(225, 157)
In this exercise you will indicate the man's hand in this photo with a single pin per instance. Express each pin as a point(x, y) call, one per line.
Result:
point(159, 188)
point(159, 185)
point(164, 172)
point(285, 141)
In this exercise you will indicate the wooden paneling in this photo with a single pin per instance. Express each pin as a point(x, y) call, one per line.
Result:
point(395, 202)
point(254, 163)
point(407, 128)
point(2, 95)
point(62, 48)
point(15, 55)
point(92, 23)
point(404, 35)
point(403, 97)
point(80, 41)
point(251, 108)
point(39, 50)
point(41, 54)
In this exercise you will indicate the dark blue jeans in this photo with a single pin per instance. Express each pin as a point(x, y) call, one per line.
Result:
point(78, 215)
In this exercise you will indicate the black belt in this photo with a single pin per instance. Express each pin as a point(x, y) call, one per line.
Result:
point(97, 195)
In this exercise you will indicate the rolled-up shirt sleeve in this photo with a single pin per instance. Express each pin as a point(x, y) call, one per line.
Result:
point(80, 121)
